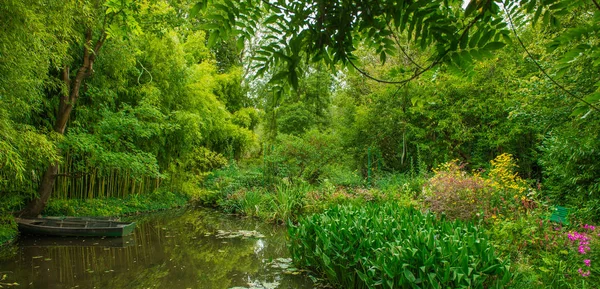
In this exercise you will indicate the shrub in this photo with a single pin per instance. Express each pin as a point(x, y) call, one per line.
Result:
point(456, 193)
point(387, 246)
point(304, 157)
point(221, 185)
point(400, 184)
point(341, 175)
point(131, 204)
point(461, 195)
point(8, 228)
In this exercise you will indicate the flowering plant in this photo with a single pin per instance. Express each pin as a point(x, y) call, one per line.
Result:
point(582, 242)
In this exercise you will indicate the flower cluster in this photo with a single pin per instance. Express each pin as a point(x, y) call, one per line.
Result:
point(583, 246)
point(583, 239)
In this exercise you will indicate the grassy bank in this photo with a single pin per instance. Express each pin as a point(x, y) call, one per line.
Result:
point(511, 214)
point(129, 205)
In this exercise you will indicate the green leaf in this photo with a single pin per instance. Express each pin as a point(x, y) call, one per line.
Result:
point(279, 76)
point(212, 39)
point(409, 275)
point(472, 6)
point(240, 43)
point(484, 38)
point(537, 14)
point(195, 9)
point(474, 39)
point(382, 57)
point(594, 97)
point(494, 45)
point(271, 19)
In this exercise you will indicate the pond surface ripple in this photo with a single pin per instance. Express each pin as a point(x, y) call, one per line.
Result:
point(187, 248)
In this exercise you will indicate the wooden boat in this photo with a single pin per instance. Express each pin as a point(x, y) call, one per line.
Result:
point(84, 227)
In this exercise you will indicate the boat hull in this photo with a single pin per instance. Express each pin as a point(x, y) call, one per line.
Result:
point(75, 228)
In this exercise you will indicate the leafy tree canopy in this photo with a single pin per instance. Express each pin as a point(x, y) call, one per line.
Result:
point(454, 33)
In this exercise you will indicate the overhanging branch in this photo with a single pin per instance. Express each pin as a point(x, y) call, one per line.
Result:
point(512, 26)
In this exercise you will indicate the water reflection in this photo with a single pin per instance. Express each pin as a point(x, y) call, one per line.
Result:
point(178, 249)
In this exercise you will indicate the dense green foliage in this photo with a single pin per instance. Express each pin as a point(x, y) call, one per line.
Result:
point(483, 113)
point(129, 205)
point(388, 246)
point(155, 112)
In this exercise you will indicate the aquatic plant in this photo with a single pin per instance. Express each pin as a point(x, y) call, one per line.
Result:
point(387, 246)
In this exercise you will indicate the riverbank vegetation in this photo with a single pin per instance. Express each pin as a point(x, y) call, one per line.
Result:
point(481, 119)
point(156, 111)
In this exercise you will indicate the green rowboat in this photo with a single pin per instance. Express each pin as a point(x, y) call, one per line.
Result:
point(74, 227)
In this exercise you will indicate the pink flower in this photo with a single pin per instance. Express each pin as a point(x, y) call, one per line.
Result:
point(583, 274)
point(583, 249)
point(589, 227)
point(587, 262)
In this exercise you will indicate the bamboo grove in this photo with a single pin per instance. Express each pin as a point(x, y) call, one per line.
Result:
point(155, 107)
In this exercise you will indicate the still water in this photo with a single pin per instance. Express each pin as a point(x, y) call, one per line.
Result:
point(189, 248)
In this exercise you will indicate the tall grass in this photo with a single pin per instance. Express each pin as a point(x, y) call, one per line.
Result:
point(253, 203)
point(288, 201)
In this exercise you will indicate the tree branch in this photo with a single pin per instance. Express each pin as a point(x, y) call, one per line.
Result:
point(387, 23)
point(417, 73)
point(434, 63)
point(597, 4)
point(512, 25)
point(402, 48)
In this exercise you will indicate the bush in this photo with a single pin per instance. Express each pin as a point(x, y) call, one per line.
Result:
point(8, 229)
point(341, 175)
point(303, 157)
point(285, 202)
point(456, 193)
point(464, 196)
point(386, 246)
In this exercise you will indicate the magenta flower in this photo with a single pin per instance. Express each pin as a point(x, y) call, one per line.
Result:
point(587, 262)
point(583, 274)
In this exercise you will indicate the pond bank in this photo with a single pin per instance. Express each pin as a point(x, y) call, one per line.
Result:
point(179, 248)
point(107, 207)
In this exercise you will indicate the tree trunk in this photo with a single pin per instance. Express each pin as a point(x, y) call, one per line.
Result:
point(67, 101)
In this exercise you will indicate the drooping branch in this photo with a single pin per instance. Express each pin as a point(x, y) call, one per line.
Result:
point(404, 81)
point(561, 87)
point(596, 4)
point(402, 48)
point(418, 73)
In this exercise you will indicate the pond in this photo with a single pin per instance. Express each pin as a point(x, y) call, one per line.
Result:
point(188, 248)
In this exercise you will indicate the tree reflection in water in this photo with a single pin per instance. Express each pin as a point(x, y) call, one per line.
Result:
point(176, 249)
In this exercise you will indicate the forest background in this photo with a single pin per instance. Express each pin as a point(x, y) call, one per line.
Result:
point(130, 106)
